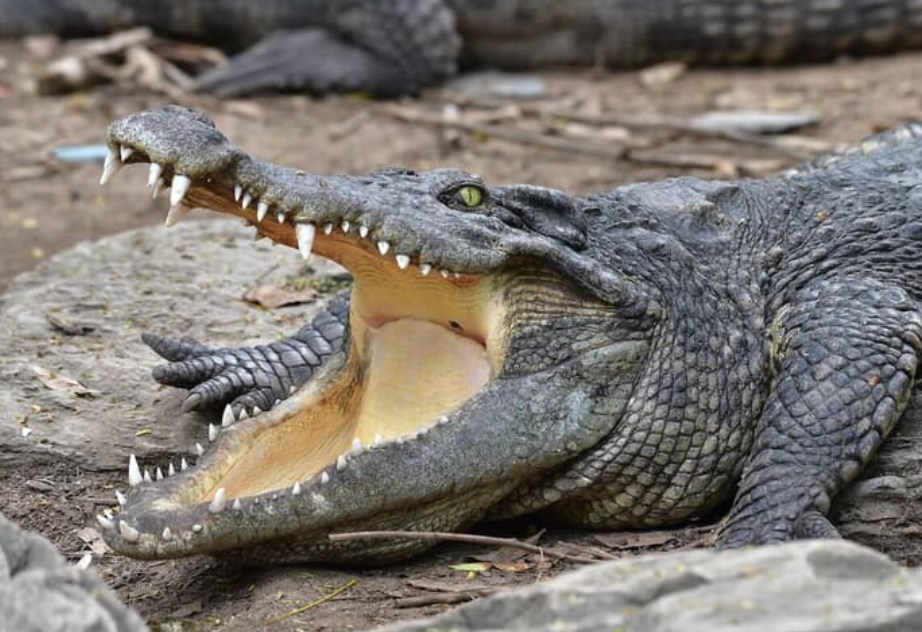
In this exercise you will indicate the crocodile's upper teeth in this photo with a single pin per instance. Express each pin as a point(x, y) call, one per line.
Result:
point(305, 234)
point(238, 191)
point(261, 209)
point(228, 417)
point(247, 198)
point(425, 268)
point(154, 176)
point(212, 432)
point(296, 489)
point(110, 166)
point(199, 450)
point(444, 273)
point(328, 229)
point(126, 152)
point(171, 470)
point(120, 497)
point(403, 261)
point(180, 186)
point(346, 225)
point(183, 464)
point(383, 247)
point(363, 231)
point(280, 216)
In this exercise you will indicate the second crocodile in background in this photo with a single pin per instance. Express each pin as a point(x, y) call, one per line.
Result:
point(395, 47)
point(631, 359)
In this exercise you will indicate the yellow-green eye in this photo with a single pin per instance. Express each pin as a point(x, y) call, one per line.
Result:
point(470, 195)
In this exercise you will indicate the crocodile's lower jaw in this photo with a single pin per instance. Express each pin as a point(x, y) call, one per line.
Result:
point(421, 343)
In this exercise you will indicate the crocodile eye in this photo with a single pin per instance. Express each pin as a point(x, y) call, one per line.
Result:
point(470, 196)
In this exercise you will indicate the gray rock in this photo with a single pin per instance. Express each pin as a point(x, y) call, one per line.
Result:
point(807, 586)
point(185, 281)
point(40, 592)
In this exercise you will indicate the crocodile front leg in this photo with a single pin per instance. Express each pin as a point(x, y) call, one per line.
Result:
point(251, 377)
point(846, 354)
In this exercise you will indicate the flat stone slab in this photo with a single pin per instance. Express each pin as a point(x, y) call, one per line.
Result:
point(807, 586)
point(88, 396)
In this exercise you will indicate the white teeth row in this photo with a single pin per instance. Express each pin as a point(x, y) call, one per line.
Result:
point(305, 232)
point(179, 186)
point(135, 477)
point(220, 502)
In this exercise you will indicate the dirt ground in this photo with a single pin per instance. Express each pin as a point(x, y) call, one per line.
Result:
point(47, 205)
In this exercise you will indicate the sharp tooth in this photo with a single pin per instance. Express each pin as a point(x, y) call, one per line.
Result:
point(247, 198)
point(237, 506)
point(228, 417)
point(167, 534)
point(159, 474)
point(219, 502)
point(238, 191)
point(128, 532)
point(134, 472)
point(171, 471)
point(257, 410)
point(324, 478)
point(154, 176)
point(328, 229)
point(126, 152)
point(296, 489)
point(280, 216)
point(363, 231)
point(179, 188)
point(425, 268)
point(291, 389)
point(403, 261)
point(340, 462)
point(196, 528)
point(345, 225)
point(243, 415)
point(147, 478)
point(107, 513)
point(212, 432)
point(357, 446)
point(120, 497)
point(457, 275)
point(106, 523)
point(444, 273)
point(110, 166)
point(183, 464)
point(157, 188)
point(305, 234)
point(383, 247)
point(378, 440)
point(176, 214)
point(261, 209)
point(199, 450)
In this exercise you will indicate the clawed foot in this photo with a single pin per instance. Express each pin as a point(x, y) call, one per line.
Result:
point(247, 380)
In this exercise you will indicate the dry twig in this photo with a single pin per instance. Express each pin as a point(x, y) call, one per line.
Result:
point(468, 538)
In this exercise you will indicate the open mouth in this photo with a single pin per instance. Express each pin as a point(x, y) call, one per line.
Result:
point(422, 340)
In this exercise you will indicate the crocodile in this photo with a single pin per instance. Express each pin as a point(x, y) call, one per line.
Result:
point(396, 47)
point(623, 360)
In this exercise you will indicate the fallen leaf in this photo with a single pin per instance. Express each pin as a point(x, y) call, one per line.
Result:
point(58, 382)
point(472, 567)
point(514, 567)
point(273, 296)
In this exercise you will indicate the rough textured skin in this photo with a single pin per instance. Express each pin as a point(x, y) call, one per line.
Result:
point(40, 592)
point(395, 47)
point(804, 586)
point(666, 342)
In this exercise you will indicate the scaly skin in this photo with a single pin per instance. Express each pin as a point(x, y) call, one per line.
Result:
point(396, 47)
point(651, 349)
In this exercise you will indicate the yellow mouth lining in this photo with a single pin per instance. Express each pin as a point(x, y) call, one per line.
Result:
point(420, 347)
